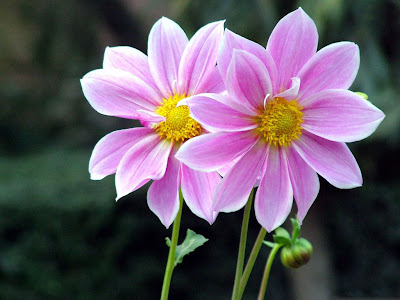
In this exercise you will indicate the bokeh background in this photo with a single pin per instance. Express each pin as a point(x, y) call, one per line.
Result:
point(63, 236)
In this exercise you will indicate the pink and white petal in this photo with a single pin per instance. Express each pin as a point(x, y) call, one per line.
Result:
point(292, 43)
point(149, 116)
point(131, 60)
point(332, 160)
point(226, 168)
point(214, 150)
point(248, 80)
point(109, 151)
point(212, 83)
point(166, 44)
point(118, 93)
point(163, 194)
point(274, 196)
point(224, 99)
point(232, 41)
point(233, 191)
point(199, 57)
point(198, 190)
point(216, 116)
point(340, 115)
point(304, 181)
point(145, 160)
point(292, 92)
point(333, 67)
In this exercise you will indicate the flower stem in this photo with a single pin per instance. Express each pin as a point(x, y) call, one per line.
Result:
point(252, 260)
point(242, 248)
point(264, 282)
point(171, 255)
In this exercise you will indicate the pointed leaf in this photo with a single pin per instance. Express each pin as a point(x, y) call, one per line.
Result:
point(296, 229)
point(191, 242)
point(281, 236)
point(270, 244)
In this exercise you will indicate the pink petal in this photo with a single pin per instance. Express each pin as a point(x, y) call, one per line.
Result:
point(292, 92)
point(145, 160)
point(109, 151)
point(332, 160)
point(165, 47)
point(212, 83)
point(340, 115)
point(214, 150)
point(163, 194)
point(232, 41)
point(200, 57)
point(333, 67)
point(224, 99)
point(197, 190)
point(304, 181)
point(274, 196)
point(233, 191)
point(292, 43)
point(131, 60)
point(216, 116)
point(149, 117)
point(118, 93)
point(248, 80)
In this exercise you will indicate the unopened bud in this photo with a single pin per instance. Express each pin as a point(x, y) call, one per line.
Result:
point(362, 95)
point(296, 255)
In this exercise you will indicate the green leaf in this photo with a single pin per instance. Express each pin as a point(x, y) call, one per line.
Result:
point(191, 242)
point(296, 229)
point(281, 236)
point(270, 244)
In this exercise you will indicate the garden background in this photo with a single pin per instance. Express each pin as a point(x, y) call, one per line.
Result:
point(63, 236)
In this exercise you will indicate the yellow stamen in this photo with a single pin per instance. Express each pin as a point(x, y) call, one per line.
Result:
point(178, 126)
point(280, 122)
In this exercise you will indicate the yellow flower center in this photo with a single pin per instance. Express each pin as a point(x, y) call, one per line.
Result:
point(178, 126)
point(280, 122)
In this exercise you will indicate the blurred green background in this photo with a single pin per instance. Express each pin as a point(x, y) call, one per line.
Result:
point(63, 236)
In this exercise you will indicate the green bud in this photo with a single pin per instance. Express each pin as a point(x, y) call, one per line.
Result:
point(362, 95)
point(296, 255)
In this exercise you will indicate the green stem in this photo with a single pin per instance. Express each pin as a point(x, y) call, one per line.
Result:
point(171, 255)
point(242, 248)
point(252, 260)
point(264, 282)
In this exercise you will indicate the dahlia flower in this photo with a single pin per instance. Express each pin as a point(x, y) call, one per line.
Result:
point(132, 85)
point(287, 117)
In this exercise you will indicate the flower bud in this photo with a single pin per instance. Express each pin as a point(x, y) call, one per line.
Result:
point(296, 255)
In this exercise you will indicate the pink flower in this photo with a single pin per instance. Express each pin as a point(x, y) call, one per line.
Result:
point(134, 86)
point(287, 118)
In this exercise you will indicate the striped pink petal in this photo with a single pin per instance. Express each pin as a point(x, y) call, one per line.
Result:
point(199, 58)
point(248, 80)
point(292, 43)
point(232, 41)
point(340, 115)
point(332, 160)
point(166, 44)
point(163, 194)
point(146, 160)
point(233, 191)
point(197, 190)
point(214, 150)
point(131, 60)
point(109, 151)
point(220, 117)
point(114, 92)
point(274, 196)
point(304, 181)
point(333, 67)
